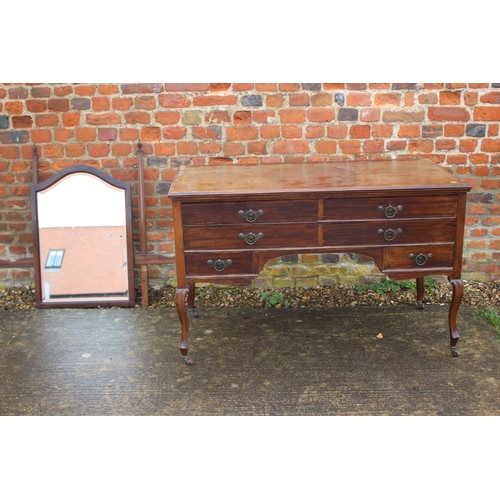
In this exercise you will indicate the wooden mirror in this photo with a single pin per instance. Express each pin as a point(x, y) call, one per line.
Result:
point(82, 235)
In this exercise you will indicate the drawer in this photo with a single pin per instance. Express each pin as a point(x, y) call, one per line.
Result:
point(389, 232)
point(249, 211)
point(395, 207)
point(248, 236)
point(418, 256)
point(218, 263)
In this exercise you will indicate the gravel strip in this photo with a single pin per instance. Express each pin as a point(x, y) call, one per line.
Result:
point(479, 294)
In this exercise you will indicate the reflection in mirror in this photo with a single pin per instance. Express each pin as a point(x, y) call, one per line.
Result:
point(82, 227)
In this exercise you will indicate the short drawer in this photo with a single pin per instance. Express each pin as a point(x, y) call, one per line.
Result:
point(419, 256)
point(396, 207)
point(194, 214)
point(218, 263)
point(389, 233)
point(248, 236)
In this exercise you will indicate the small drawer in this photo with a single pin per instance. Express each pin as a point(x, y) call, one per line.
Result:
point(395, 207)
point(419, 256)
point(249, 236)
point(218, 263)
point(389, 232)
point(194, 214)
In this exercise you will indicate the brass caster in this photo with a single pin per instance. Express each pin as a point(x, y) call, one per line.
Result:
point(188, 360)
point(454, 352)
point(420, 305)
point(194, 313)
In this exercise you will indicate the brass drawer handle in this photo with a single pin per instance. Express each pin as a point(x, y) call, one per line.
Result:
point(251, 238)
point(420, 259)
point(389, 211)
point(390, 234)
point(219, 264)
point(250, 215)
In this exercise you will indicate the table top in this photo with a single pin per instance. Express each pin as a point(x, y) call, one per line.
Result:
point(323, 177)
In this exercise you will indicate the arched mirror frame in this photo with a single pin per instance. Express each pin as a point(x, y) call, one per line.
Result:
point(77, 302)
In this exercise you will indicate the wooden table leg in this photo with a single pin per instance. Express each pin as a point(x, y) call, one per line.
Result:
point(180, 303)
point(420, 292)
point(458, 289)
point(191, 306)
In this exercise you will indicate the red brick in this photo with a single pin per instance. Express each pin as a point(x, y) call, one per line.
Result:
point(409, 131)
point(449, 98)
point(106, 89)
point(491, 98)
point(71, 119)
point(428, 98)
point(242, 117)
point(468, 145)
point(14, 107)
point(98, 150)
point(490, 145)
point(85, 90)
point(41, 135)
point(103, 119)
point(210, 148)
point(257, 148)
point(326, 147)
point(493, 129)
point(373, 146)
point(266, 87)
point(396, 145)
point(101, 104)
point(299, 100)
point(22, 121)
point(187, 148)
point(291, 132)
point(210, 100)
point(356, 86)
point(359, 99)
point(75, 150)
point(370, 115)
point(264, 116)
point(421, 146)
point(478, 158)
point(107, 134)
point(350, 147)
point(175, 101)
point(487, 113)
point(240, 87)
point(392, 99)
point(167, 117)
point(217, 117)
point(53, 151)
point(382, 130)
point(336, 131)
point(334, 86)
point(269, 131)
point(137, 117)
point(63, 90)
point(322, 99)
point(9, 153)
point(445, 144)
point(58, 105)
point(321, 115)
point(246, 133)
point(234, 149)
point(403, 116)
point(207, 132)
point(292, 116)
point(274, 101)
point(121, 103)
point(456, 159)
point(289, 87)
point(186, 87)
point(360, 131)
point(470, 98)
point(174, 132)
point(454, 130)
point(63, 134)
point(409, 98)
point(162, 149)
point(315, 131)
point(36, 105)
point(86, 134)
point(142, 88)
point(219, 87)
point(291, 146)
point(18, 93)
point(448, 114)
point(490, 184)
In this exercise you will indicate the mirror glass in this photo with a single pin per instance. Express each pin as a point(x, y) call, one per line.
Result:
point(83, 235)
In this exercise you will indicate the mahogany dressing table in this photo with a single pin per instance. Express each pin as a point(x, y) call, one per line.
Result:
point(229, 220)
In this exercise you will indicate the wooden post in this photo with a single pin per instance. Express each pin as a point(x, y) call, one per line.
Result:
point(142, 229)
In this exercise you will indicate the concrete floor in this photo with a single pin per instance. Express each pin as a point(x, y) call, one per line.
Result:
point(248, 362)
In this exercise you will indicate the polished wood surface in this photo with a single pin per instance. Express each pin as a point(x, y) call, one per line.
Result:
point(229, 220)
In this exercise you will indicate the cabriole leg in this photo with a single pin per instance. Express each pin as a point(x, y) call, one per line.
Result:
point(180, 303)
point(458, 289)
point(191, 296)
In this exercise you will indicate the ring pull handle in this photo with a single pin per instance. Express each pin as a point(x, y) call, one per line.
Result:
point(251, 238)
point(390, 234)
point(389, 211)
point(250, 215)
point(420, 259)
point(219, 264)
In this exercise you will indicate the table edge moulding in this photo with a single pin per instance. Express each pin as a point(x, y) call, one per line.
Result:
point(229, 220)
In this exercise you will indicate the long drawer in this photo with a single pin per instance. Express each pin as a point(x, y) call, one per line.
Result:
point(396, 207)
point(218, 263)
point(388, 232)
point(419, 256)
point(248, 236)
point(249, 211)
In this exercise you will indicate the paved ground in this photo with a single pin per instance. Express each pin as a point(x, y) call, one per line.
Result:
point(248, 362)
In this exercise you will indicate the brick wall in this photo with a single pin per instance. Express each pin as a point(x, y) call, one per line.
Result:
point(455, 125)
